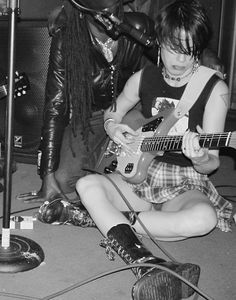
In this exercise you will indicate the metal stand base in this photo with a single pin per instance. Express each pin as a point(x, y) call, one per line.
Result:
point(17, 254)
point(22, 255)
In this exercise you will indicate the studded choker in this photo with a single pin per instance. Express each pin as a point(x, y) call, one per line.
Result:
point(174, 78)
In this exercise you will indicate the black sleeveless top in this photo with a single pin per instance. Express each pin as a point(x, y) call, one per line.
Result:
point(156, 95)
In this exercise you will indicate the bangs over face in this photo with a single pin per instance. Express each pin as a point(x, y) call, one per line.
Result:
point(184, 27)
point(181, 41)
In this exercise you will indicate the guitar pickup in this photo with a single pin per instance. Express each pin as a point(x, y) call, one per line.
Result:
point(129, 168)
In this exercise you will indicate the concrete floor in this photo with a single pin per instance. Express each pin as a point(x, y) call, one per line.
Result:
point(73, 254)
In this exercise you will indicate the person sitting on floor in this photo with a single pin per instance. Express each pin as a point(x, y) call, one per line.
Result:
point(88, 67)
point(178, 180)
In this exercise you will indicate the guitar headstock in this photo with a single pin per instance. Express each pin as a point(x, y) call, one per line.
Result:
point(22, 84)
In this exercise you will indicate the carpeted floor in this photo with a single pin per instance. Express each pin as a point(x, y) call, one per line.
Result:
point(73, 255)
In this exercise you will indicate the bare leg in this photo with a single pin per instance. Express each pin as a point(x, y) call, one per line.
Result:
point(104, 203)
point(190, 214)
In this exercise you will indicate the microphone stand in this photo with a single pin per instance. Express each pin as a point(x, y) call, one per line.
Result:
point(17, 254)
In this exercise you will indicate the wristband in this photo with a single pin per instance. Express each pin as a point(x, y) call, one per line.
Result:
point(106, 122)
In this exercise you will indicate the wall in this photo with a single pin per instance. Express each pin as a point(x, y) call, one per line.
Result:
point(227, 45)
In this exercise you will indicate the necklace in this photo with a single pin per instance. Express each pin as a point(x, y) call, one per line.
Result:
point(174, 78)
point(107, 48)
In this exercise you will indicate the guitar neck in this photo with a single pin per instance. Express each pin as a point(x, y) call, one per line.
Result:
point(174, 142)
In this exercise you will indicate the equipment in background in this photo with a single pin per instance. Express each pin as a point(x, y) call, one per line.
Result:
point(32, 43)
point(22, 85)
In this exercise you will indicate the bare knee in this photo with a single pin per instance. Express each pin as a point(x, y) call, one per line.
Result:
point(86, 183)
point(203, 219)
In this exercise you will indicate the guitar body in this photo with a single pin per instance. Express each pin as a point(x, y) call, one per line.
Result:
point(133, 165)
point(152, 140)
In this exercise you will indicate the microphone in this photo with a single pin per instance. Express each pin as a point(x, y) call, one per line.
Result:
point(141, 37)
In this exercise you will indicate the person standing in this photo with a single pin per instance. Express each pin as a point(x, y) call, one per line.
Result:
point(90, 61)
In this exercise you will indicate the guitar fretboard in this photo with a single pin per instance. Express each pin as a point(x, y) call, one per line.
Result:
point(172, 142)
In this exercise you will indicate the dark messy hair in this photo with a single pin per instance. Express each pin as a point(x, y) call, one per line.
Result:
point(78, 90)
point(187, 15)
point(77, 47)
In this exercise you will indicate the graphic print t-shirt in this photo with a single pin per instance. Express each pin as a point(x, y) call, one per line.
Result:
point(156, 97)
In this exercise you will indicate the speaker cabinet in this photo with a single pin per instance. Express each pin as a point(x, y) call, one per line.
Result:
point(37, 9)
point(32, 10)
point(31, 57)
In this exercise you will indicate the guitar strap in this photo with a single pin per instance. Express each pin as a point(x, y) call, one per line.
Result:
point(191, 93)
point(193, 90)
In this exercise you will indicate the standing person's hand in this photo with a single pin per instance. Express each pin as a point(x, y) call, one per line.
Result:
point(49, 191)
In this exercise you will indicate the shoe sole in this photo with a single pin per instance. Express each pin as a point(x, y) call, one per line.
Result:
point(161, 285)
point(191, 273)
point(157, 285)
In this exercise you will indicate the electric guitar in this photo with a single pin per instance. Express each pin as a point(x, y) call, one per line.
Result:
point(22, 85)
point(153, 140)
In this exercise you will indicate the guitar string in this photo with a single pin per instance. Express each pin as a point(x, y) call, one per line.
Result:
point(145, 144)
point(217, 135)
point(179, 137)
point(202, 136)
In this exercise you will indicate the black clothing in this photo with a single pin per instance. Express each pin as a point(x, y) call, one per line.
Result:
point(57, 108)
point(153, 87)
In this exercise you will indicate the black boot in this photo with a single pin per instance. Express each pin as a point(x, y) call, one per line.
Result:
point(153, 283)
point(60, 211)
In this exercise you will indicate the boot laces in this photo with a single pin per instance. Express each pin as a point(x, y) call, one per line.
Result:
point(81, 218)
point(110, 245)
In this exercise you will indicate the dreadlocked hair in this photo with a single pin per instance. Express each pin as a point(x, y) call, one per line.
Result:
point(78, 79)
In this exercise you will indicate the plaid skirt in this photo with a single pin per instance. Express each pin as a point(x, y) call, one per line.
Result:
point(166, 181)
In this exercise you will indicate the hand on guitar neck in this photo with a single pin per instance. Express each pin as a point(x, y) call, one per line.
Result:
point(153, 140)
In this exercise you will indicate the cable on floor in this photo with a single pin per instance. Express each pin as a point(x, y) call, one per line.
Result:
point(96, 277)
point(104, 274)
point(100, 275)
point(136, 215)
point(18, 296)
point(138, 219)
